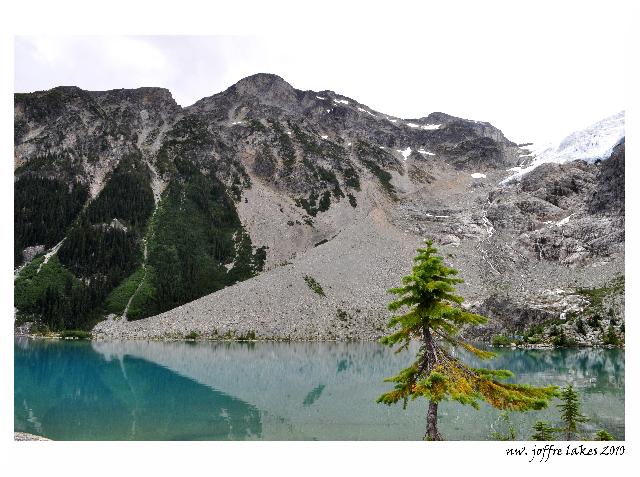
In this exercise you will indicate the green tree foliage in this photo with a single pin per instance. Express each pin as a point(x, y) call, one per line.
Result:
point(542, 431)
point(50, 292)
point(101, 255)
point(105, 253)
point(43, 209)
point(560, 339)
point(308, 143)
point(313, 205)
point(310, 204)
point(248, 261)
point(76, 334)
point(325, 202)
point(196, 246)
point(67, 308)
point(283, 143)
point(256, 126)
point(141, 297)
point(314, 285)
point(570, 412)
point(65, 166)
point(611, 337)
point(170, 275)
point(351, 178)
point(330, 179)
point(127, 196)
point(594, 321)
point(372, 157)
point(500, 340)
point(603, 435)
point(117, 300)
point(94, 250)
point(433, 316)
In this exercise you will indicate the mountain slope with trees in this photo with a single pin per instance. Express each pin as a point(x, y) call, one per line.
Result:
point(146, 206)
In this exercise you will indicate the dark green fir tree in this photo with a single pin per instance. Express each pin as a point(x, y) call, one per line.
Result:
point(611, 337)
point(570, 412)
point(433, 315)
point(542, 431)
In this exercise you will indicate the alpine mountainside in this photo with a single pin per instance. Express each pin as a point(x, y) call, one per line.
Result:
point(269, 212)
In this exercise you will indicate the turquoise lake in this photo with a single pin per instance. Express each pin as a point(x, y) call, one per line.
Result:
point(80, 390)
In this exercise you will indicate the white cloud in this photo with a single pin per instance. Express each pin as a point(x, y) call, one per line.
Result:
point(535, 79)
point(135, 53)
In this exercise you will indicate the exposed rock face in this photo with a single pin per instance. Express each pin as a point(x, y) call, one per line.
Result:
point(30, 252)
point(519, 313)
point(608, 198)
point(80, 135)
point(553, 210)
point(342, 193)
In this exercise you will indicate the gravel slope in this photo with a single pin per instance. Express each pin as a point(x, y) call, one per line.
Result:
point(354, 270)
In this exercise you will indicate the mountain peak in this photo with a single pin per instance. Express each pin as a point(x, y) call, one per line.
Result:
point(144, 96)
point(438, 117)
point(262, 78)
point(263, 85)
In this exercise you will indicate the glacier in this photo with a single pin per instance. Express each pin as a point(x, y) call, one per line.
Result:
point(593, 143)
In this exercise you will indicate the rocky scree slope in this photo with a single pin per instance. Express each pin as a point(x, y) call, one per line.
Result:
point(288, 214)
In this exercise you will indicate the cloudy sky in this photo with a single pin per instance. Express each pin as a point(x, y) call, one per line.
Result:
point(536, 79)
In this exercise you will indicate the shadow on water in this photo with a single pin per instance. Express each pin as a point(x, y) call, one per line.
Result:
point(67, 391)
point(290, 391)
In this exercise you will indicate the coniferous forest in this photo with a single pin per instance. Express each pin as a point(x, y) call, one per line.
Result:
point(43, 210)
point(119, 254)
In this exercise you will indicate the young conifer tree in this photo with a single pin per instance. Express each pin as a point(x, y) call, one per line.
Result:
point(570, 412)
point(543, 431)
point(433, 316)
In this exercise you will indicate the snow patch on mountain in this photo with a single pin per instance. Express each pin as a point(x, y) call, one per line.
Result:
point(405, 153)
point(366, 111)
point(564, 221)
point(429, 127)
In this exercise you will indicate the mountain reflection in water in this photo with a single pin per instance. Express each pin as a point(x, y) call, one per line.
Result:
point(71, 390)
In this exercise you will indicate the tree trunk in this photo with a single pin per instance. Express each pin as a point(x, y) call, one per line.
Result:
point(432, 433)
point(432, 423)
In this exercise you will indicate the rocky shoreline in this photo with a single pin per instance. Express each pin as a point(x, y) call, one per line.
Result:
point(25, 436)
point(176, 338)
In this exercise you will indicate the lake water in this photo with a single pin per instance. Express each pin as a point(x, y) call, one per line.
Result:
point(79, 390)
